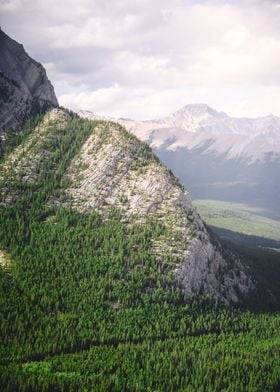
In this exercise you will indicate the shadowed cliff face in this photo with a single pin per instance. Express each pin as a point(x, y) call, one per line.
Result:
point(24, 86)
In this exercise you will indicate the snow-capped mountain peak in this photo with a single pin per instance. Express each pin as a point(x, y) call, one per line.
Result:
point(199, 125)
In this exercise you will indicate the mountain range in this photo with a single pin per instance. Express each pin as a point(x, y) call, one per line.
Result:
point(217, 156)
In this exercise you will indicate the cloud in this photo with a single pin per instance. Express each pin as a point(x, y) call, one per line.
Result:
point(118, 101)
point(9, 5)
point(142, 57)
point(262, 102)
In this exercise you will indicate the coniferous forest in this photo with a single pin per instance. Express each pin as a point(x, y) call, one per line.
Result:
point(86, 305)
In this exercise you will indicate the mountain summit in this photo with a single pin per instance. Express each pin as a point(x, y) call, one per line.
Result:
point(198, 125)
point(24, 86)
point(196, 110)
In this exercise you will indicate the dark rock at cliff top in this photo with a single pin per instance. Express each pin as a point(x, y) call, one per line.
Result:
point(24, 87)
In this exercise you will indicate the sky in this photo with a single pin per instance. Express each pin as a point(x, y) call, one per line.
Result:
point(147, 58)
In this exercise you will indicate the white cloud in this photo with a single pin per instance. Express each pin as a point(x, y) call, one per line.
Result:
point(140, 58)
point(265, 101)
point(9, 5)
point(142, 103)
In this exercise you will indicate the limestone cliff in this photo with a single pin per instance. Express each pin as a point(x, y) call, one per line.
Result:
point(24, 86)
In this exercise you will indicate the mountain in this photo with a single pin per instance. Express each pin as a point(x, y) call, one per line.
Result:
point(104, 270)
point(24, 86)
point(216, 156)
point(114, 169)
point(196, 126)
point(109, 279)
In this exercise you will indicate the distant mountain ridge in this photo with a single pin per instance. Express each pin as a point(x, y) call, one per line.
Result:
point(195, 125)
point(215, 155)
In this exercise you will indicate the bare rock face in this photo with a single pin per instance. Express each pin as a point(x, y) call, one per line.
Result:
point(24, 86)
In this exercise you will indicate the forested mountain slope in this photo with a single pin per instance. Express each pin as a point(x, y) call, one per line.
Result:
point(100, 252)
point(112, 169)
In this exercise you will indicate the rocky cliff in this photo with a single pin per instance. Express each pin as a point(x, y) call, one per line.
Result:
point(24, 86)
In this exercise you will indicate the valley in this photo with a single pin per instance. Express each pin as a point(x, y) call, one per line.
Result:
point(241, 219)
point(249, 232)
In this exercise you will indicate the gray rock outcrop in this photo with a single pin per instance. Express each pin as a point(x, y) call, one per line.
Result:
point(24, 86)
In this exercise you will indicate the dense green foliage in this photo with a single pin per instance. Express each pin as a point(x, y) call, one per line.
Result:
point(86, 305)
point(262, 256)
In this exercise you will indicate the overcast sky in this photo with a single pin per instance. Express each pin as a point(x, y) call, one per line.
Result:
point(147, 58)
